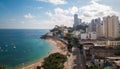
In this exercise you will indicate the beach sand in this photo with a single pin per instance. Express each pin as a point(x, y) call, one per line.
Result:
point(57, 46)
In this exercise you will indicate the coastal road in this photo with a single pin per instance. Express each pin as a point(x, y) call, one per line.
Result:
point(79, 60)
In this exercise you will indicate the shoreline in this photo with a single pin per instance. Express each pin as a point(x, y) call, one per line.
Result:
point(56, 46)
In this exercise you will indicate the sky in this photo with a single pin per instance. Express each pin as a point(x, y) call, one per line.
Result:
point(45, 14)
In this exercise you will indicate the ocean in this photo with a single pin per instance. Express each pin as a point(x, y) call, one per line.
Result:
point(19, 47)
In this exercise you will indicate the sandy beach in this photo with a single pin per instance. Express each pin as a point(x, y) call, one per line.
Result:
point(57, 46)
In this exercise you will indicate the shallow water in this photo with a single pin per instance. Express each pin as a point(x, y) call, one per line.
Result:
point(19, 47)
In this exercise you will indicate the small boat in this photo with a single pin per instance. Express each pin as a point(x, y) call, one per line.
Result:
point(14, 46)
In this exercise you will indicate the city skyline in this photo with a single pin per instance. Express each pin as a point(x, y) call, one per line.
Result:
point(44, 14)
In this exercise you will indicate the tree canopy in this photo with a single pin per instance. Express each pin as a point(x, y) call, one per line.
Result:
point(54, 61)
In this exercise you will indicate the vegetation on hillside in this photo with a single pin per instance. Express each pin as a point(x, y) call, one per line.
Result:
point(70, 45)
point(78, 27)
point(54, 61)
point(92, 67)
point(69, 39)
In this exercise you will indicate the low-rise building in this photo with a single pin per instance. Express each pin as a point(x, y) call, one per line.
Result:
point(102, 51)
point(106, 43)
point(50, 33)
point(76, 34)
point(89, 35)
point(65, 32)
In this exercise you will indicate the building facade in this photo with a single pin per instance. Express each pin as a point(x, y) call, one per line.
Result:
point(93, 24)
point(111, 27)
point(89, 35)
point(119, 29)
point(99, 30)
point(76, 21)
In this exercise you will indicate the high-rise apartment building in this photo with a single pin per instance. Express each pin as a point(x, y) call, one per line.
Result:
point(111, 27)
point(99, 29)
point(93, 25)
point(119, 29)
point(79, 21)
point(76, 22)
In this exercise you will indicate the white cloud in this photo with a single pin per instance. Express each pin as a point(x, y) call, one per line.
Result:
point(61, 20)
point(48, 13)
point(60, 11)
point(86, 13)
point(94, 10)
point(95, 0)
point(12, 20)
point(29, 16)
point(73, 10)
point(56, 2)
point(39, 7)
point(60, 17)
point(69, 11)
point(22, 22)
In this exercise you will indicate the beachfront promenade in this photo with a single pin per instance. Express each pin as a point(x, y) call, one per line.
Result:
point(76, 59)
point(80, 60)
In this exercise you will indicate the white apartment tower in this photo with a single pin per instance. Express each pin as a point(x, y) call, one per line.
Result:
point(111, 27)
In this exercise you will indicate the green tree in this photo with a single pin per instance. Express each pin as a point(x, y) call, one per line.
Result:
point(92, 67)
point(54, 61)
point(78, 27)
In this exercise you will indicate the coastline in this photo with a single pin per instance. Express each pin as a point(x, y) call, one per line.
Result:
point(56, 46)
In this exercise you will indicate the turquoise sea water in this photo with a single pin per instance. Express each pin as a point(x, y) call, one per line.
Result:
point(19, 47)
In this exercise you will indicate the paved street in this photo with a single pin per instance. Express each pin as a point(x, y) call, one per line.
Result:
point(78, 61)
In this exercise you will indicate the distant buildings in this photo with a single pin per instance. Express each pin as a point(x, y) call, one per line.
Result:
point(119, 29)
point(96, 26)
point(59, 31)
point(90, 35)
point(102, 33)
point(108, 27)
point(99, 30)
point(50, 34)
point(111, 27)
point(93, 24)
point(65, 32)
point(77, 21)
point(76, 34)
